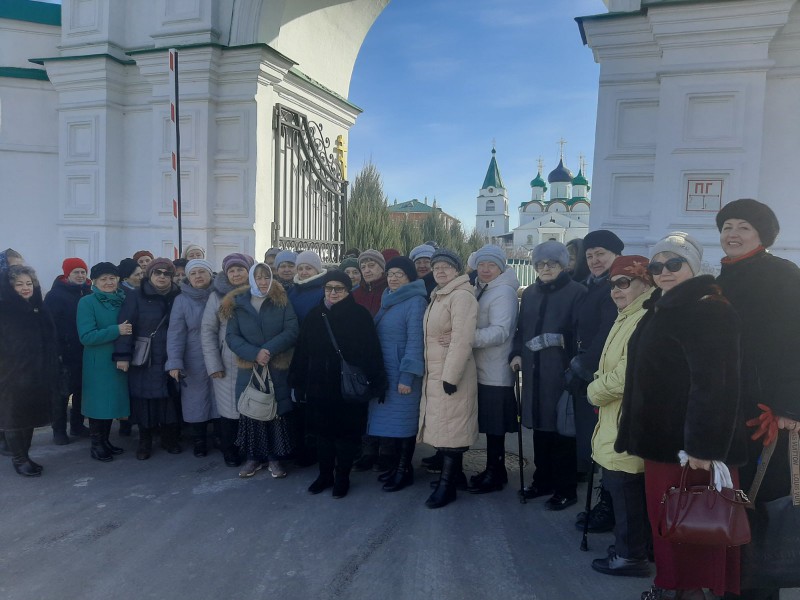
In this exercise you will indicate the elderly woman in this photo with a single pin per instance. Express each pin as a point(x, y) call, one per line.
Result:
point(543, 346)
point(262, 330)
point(399, 325)
point(185, 361)
point(350, 267)
point(143, 258)
point(147, 310)
point(623, 474)
point(130, 274)
point(316, 378)
point(220, 362)
point(105, 386)
point(28, 364)
point(682, 394)
point(193, 251)
point(448, 418)
point(765, 292)
point(308, 281)
point(285, 268)
point(496, 292)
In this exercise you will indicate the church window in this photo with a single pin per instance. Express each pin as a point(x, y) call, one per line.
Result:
point(492, 223)
point(487, 224)
point(490, 206)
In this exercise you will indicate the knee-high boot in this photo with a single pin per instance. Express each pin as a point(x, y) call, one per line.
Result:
point(115, 450)
point(404, 474)
point(19, 442)
point(445, 492)
point(97, 433)
point(200, 435)
point(326, 455)
point(169, 438)
point(494, 478)
point(145, 443)
point(228, 430)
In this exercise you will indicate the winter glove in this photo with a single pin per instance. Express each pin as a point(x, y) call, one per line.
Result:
point(767, 425)
point(449, 388)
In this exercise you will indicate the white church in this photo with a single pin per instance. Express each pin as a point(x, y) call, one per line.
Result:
point(563, 216)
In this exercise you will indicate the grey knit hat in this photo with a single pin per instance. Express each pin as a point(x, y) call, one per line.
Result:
point(683, 245)
point(285, 256)
point(373, 255)
point(449, 257)
point(421, 251)
point(491, 253)
point(309, 257)
point(551, 250)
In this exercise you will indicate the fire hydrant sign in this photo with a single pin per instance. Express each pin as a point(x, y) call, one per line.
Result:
point(704, 194)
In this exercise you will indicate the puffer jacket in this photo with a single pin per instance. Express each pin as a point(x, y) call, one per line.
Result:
point(498, 307)
point(450, 421)
point(216, 354)
point(608, 386)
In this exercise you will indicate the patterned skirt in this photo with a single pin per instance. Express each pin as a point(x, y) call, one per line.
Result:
point(266, 440)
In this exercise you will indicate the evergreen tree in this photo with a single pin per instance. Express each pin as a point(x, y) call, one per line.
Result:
point(368, 222)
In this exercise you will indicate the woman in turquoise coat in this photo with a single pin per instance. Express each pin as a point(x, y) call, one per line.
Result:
point(105, 387)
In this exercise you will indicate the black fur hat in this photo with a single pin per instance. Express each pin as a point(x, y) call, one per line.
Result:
point(758, 214)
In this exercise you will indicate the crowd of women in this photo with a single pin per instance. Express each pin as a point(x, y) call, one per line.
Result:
point(663, 365)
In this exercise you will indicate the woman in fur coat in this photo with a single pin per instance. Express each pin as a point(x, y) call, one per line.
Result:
point(262, 330)
point(220, 362)
point(682, 394)
point(29, 366)
point(316, 379)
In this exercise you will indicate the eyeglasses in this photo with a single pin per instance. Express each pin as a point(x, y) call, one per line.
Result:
point(443, 267)
point(622, 283)
point(546, 264)
point(395, 275)
point(673, 265)
point(162, 273)
point(335, 289)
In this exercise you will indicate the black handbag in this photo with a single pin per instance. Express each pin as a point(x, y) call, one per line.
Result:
point(772, 559)
point(142, 346)
point(354, 382)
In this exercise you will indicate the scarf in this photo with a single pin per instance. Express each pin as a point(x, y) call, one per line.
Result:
point(112, 300)
point(252, 278)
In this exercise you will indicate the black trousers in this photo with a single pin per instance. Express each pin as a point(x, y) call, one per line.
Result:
point(632, 529)
point(337, 453)
point(554, 457)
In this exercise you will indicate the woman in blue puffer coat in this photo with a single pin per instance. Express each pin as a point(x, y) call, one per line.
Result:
point(399, 325)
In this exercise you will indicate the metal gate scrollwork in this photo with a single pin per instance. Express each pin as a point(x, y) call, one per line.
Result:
point(310, 191)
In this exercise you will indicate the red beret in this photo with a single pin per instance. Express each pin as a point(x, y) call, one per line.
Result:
point(633, 265)
point(70, 264)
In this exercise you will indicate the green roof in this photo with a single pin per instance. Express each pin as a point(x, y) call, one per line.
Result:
point(411, 206)
point(539, 182)
point(580, 179)
point(493, 178)
point(31, 12)
point(20, 73)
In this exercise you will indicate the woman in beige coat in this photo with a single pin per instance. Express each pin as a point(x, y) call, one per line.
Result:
point(449, 408)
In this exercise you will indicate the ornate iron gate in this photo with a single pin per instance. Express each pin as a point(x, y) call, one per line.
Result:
point(310, 192)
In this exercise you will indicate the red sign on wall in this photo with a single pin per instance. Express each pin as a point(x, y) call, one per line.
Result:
point(704, 195)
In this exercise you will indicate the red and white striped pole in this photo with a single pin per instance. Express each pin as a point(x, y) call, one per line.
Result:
point(174, 115)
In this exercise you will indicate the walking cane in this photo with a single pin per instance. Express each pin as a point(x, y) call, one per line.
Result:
point(585, 539)
point(519, 438)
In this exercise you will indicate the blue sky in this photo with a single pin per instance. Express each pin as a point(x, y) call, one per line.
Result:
point(440, 79)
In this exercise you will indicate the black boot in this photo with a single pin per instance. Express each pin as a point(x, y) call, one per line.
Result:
point(404, 474)
point(169, 438)
point(216, 434)
point(59, 415)
point(326, 453)
point(4, 449)
point(445, 492)
point(494, 478)
point(199, 435)
point(601, 515)
point(115, 450)
point(346, 451)
point(19, 444)
point(433, 464)
point(97, 433)
point(145, 444)
point(228, 429)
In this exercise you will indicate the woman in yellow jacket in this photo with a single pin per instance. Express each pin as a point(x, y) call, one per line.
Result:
point(623, 474)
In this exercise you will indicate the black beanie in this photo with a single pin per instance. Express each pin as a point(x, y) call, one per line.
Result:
point(104, 268)
point(340, 276)
point(758, 214)
point(126, 267)
point(405, 265)
point(603, 238)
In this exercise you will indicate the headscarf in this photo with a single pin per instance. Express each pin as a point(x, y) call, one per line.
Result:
point(252, 277)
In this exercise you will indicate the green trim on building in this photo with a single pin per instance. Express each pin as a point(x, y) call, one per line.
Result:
point(31, 12)
point(223, 47)
point(297, 72)
point(41, 61)
point(20, 73)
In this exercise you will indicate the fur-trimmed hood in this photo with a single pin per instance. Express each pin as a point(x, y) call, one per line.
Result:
point(277, 295)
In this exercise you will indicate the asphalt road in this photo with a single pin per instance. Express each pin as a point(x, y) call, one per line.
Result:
point(183, 527)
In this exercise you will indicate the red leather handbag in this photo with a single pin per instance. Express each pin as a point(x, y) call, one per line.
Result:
point(701, 515)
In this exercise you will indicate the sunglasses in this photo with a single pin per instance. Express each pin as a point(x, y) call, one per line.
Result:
point(162, 273)
point(622, 283)
point(673, 265)
point(329, 289)
point(547, 264)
